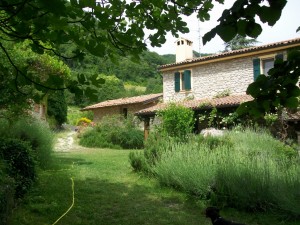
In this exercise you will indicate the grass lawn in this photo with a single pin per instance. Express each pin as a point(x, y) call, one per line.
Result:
point(108, 192)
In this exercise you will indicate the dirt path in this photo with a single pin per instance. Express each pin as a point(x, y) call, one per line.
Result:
point(67, 143)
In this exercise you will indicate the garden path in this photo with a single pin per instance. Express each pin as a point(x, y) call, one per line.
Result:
point(67, 142)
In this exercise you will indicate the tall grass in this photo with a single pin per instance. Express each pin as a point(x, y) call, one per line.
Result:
point(36, 132)
point(24, 144)
point(246, 170)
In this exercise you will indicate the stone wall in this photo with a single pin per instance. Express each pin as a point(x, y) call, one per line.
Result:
point(99, 113)
point(209, 80)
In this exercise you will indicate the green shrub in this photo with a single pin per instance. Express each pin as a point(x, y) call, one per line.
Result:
point(177, 120)
point(20, 164)
point(129, 138)
point(83, 121)
point(247, 170)
point(38, 135)
point(155, 145)
point(137, 161)
point(114, 132)
point(7, 193)
point(92, 138)
point(214, 142)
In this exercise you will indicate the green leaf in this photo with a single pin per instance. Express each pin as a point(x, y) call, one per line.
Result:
point(226, 32)
point(81, 78)
point(253, 89)
point(241, 26)
point(209, 35)
point(242, 109)
point(96, 80)
point(35, 48)
point(266, 105)
point(91, 94)
point(292, 102)
point(269, 15)
point(253, 29)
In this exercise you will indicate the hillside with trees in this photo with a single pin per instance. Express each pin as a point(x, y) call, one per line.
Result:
point(123, 76)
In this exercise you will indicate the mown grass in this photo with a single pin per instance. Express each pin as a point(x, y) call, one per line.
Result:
point(106, 192)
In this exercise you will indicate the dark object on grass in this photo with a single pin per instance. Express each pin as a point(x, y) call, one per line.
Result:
point(216, 219)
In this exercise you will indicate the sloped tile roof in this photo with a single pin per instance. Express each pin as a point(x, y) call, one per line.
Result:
point(126, 101)
point(223, 102)
point(235, 52)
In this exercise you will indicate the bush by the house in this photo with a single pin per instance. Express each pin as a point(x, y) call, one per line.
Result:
point(113, 132)
point(176, 120)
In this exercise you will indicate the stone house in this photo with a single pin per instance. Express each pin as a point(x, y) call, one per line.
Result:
point(123, 106)
point(192, 81)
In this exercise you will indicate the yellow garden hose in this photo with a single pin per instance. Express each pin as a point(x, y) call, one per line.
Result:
point(73, 201)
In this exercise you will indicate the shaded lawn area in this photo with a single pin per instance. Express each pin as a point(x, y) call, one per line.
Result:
point(108, 192)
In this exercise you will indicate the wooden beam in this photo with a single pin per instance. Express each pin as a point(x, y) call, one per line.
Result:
point(146, 127)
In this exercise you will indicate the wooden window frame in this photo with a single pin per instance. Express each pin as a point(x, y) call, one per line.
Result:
point(182, 84)
point(266, 58)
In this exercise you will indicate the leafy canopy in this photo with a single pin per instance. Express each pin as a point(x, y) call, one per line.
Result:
point(110, 27)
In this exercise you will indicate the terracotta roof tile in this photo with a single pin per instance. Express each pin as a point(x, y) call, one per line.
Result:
point(228, 101)
point(235, 52)
point(125, 101)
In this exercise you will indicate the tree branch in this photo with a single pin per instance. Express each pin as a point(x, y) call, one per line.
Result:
point(26, 77)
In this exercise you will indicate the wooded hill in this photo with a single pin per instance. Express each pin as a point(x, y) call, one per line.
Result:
point(124, 77)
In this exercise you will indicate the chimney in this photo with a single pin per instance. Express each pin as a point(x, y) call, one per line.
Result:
point(184, 49)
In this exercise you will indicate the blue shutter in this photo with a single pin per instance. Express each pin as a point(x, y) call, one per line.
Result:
point(256, 68)
point(177, 81)
point(187, 80)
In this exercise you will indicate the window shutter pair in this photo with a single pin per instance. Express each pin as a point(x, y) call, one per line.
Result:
point(187, 80)
point(256, 65)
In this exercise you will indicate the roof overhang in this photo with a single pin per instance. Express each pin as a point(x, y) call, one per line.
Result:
point(247, 52)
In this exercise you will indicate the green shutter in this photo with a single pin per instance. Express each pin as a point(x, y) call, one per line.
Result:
point(187, 80)
point(256, 68)
point(177, 81)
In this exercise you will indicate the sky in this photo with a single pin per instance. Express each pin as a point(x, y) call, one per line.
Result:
point(284, 29)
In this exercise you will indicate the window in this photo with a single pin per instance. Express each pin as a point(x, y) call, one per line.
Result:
point(263, 65)
point(266, 65)
point(182, 80)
